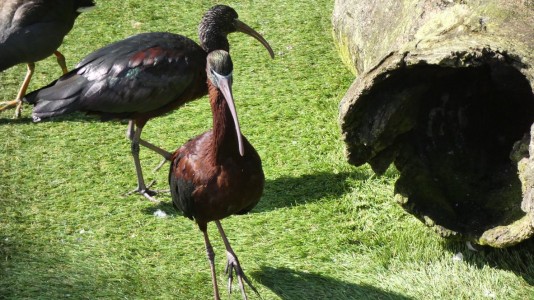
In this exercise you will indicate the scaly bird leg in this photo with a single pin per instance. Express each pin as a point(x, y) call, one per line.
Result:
point(130, 134)
point(233, 265)
point(211, 259)
point(167, 155)
point(22, 92)
point(141, 186)
point(61, 61)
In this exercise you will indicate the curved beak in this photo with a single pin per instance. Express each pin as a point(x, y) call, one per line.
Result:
point(244, 28)
point(225, 85)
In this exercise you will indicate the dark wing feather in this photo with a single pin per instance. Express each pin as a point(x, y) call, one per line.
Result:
point(32, 30)
point(58, 98)
point(181, 189)
point(140, 74)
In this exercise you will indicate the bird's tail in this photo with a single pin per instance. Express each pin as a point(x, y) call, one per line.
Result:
point(58, 98)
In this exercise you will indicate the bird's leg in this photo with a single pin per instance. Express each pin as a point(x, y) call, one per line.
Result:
point(61, 61)
point(141, 186)
point(233, 265)
point(130, 133)
point(166, 155)
point(211, 259)
point(22, 92)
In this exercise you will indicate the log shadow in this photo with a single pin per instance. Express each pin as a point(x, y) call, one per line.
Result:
point(289, 284)
point(518, 259)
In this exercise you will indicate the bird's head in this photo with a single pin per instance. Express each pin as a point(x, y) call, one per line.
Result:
point(218, 22)
point(219, 68)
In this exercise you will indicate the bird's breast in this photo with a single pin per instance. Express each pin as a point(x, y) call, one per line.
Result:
point(232, 189)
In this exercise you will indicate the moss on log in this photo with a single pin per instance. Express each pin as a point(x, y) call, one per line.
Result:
point(444, 91)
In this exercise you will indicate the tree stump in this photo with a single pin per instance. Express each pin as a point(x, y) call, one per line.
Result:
point(444, 91)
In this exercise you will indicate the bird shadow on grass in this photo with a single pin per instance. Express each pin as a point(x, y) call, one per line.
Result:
point(289, 284)
point(518, 259)
point(164, 206)
point(8, 119)
point(81, 117)
point(291, 191)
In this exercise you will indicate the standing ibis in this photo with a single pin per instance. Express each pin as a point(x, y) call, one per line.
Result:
point(32, 30)
point(218, 173)
point(141, 77)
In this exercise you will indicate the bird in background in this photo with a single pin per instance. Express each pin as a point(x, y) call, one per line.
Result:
point(218, 173)
point(141, 77)
point(32, 30)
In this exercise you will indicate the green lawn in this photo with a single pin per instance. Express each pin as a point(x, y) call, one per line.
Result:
point(323, 229)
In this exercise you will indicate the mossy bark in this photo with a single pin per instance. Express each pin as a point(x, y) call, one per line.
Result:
point(444, 91)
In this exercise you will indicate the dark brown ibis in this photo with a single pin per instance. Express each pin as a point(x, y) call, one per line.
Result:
point(32, 30)
point(218, 173)
point(141, 77)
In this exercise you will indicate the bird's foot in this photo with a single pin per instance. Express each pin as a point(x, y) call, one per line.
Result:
point(149, 195)
point(146, 192)
point(17, 104)
point(155, 192)
point(232, 265)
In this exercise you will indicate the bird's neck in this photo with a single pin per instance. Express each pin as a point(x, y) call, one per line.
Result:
point(212, 38)
point(225, 143)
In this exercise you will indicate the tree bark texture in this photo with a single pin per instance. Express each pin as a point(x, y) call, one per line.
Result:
point(444, 91)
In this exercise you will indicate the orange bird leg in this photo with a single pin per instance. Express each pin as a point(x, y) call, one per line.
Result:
point(22, 92)
point(61, 61)
point(233, 265)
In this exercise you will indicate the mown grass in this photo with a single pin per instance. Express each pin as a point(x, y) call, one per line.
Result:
point(323, 230)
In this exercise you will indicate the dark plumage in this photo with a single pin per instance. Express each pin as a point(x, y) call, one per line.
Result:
point(218, 173)
point(141, 77)
point(31, 30)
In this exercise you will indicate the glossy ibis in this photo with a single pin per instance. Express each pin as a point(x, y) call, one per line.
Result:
point(32, 30)
point(141, 77)
point(218, 173)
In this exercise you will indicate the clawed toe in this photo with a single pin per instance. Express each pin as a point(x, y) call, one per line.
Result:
point(232, 266)
point(146, 192)
point(17, 104)
point(149, 195)
point(8, 104)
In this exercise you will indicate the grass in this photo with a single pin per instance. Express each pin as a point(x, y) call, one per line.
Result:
point(323, 229)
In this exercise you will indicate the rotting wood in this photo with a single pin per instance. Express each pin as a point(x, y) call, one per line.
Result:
point(444, 91)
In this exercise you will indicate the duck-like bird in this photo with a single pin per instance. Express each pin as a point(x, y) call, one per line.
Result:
point(218, 173)
point(32, 30)
point(141, 77)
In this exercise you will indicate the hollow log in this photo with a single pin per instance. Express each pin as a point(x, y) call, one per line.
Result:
point(444, 92)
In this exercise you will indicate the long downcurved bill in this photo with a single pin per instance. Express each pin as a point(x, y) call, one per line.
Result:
point(225, 85)
point(244, 28)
